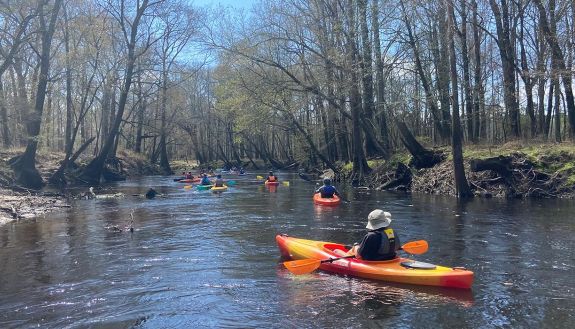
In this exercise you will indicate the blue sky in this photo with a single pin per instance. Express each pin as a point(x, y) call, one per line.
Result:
point(244, 4)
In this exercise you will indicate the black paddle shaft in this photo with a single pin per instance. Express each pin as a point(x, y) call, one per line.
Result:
point(331, 260)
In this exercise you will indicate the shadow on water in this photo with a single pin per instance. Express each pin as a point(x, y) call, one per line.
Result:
point(199, 259)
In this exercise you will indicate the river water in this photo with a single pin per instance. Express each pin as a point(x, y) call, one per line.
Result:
point(196, 259)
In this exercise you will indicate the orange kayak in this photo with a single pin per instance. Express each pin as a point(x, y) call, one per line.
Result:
point(276, 183)
point(317, 199)
point(401, 270)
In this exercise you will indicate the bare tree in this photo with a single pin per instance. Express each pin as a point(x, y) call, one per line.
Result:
point(25, 165)
point(136, 44)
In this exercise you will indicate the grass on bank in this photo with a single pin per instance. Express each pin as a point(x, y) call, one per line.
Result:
point(546, 157)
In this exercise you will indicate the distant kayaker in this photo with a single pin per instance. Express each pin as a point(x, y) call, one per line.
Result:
point(151, 193)
point(380, 242)
point(327, 190)
point(219, 181)
point(205, 180)
point(271, 177)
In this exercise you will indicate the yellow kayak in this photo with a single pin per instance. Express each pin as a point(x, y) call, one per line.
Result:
point(219, 189)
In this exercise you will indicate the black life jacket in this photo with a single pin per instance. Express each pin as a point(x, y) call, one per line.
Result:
point(387, 246)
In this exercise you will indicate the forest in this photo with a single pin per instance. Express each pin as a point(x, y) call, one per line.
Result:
point(289, 83)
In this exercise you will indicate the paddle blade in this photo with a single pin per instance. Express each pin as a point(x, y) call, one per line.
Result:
point(231, 182)
point(286, 183)
point(302, 266)
point(259, 177)
point(187, 186)
point(416, 247)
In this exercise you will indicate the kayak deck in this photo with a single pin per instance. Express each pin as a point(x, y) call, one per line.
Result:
point(391, 270)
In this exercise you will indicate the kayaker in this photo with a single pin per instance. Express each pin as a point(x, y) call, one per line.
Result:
point(189, 175)
point(271, 177)
point(219, 181)
point(380, 242)
point(151, 193)
point(327, 190)
point(205, 180)
point(242, 171)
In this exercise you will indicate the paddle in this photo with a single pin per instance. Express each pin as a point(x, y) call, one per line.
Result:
point(231, 182)
point(303, 266)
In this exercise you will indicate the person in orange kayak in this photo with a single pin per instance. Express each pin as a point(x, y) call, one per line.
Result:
point(271, 177)
point(219, 181)
point(380, 242)
point(327, 190)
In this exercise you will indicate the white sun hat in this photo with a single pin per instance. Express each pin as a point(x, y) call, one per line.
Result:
point(378, 219)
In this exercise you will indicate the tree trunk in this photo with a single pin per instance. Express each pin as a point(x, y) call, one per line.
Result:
point(469, 115)
point(478, 81)
point(506, 52)
point(164, 161)
point(566, 75)
point(461, 186)
point(24, 167)
point(542, 80)
point(557, 120)
point(552, 84)
point(527, 79)
point(421, 157)
point(360, 166)
point(140, 119)
point(380, 82)
point(442, 60)
point(367, 81)
point(429, 98)
point(6, 138)
point(93, 171)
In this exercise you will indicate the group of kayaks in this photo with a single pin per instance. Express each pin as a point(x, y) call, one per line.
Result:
point(200, 187)
point(327, 256)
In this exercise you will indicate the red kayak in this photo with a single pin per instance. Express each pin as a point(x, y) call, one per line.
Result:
point(317, 199)
point(187, 180)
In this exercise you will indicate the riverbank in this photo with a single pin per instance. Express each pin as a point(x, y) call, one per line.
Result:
point(18, 203)
point(514, 170)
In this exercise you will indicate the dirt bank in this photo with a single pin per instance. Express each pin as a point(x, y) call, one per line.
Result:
point(513, 170)
point(18, 203)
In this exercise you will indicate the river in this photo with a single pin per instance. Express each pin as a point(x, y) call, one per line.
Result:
point(196, 259)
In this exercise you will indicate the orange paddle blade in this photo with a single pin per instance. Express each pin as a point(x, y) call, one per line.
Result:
point(416, 247)
point(302, 266)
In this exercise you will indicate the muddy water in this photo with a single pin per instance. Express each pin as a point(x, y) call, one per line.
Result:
point(197, 259)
